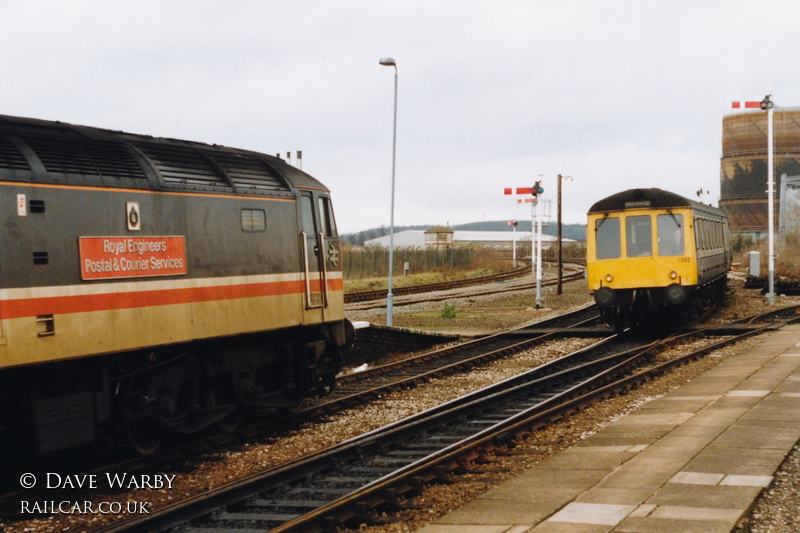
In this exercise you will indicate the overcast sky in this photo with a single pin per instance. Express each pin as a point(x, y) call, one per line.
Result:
point(616, 94)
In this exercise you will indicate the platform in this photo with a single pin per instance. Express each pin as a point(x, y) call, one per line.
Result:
point(693, 460)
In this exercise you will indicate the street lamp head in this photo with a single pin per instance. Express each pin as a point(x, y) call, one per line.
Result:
point(388, 62)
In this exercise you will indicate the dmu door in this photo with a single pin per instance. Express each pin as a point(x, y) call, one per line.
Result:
point(317, 231)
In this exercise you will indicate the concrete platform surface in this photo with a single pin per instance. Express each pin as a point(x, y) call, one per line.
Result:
point(694, 460)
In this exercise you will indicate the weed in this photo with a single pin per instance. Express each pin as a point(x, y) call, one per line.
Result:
point(449, 311)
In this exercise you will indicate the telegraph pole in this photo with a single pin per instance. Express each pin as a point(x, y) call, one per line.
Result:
point(558, 260)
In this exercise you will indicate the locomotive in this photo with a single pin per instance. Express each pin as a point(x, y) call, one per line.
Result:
point(154, 286)
point(649, 251)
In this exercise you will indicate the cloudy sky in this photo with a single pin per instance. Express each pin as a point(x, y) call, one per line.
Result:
point(615, 94)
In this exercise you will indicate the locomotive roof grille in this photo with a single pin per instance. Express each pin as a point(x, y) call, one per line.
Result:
point(183, 165)
point(10, 157)
point(113, 159)
point(60, 155)
point(65, 156)
point(247, 171)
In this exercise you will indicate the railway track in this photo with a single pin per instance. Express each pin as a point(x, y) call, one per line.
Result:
point(359, 476)
point(364, 296)
point(356, 387)
point(353, 389)
point(373, 304)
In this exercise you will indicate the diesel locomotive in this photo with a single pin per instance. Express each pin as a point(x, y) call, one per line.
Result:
point(151, 286)
point(649, 251)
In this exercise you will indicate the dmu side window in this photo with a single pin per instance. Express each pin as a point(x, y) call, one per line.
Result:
point(670, 234)
point(607, 238)
point(639, 233)
point(254, 220)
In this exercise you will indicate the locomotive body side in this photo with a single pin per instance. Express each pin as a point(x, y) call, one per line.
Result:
point(152, 285)
point(235, 282)
point(648, 249)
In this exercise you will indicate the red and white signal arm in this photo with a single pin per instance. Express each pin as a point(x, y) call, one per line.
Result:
point(746, 105)
point(512, 223)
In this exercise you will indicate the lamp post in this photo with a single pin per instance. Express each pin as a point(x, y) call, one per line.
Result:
point(389, 62)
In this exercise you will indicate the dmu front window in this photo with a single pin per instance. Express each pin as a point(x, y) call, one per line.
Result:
point(639, 242)
point(607, 239)
point(670, 234)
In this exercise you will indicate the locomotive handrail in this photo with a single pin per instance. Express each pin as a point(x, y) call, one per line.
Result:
point(323, 271)
point(309, 304)
point(324, 268)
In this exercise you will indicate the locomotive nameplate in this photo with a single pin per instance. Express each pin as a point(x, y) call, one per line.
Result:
point(131, 257)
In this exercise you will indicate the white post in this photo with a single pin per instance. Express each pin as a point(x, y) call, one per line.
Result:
point(533, 238)
point(514, 245)
point(771, 208)
point(538, 257)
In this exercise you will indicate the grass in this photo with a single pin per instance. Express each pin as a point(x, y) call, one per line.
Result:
point(449, 311)
point(436, 319)
point(787, 251)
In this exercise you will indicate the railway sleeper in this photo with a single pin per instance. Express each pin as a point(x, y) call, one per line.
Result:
point(262, 503)
point(394, 501)
point(470, 467)
point(257, 517)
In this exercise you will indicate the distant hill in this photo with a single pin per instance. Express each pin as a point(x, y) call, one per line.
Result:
point(568, 231)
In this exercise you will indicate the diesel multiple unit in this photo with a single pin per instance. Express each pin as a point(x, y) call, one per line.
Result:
point(649, 249)
point(154, 285)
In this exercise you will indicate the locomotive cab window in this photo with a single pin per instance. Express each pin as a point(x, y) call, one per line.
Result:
point(639, 236)
point(326, 217)
point(607, 239)
point(254, 220)
point(307, 214)
point(670, 234)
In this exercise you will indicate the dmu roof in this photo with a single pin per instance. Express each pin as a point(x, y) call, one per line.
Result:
point(648, 198)
point(40, 151)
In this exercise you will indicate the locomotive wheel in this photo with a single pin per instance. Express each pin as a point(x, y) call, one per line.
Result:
point(146, 436)
point(620, 318)
point(231, 422)
point(295, 407)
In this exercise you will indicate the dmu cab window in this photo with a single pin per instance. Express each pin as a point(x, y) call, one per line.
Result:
point(670, 234)
point(639, 233)
point(607, 239)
